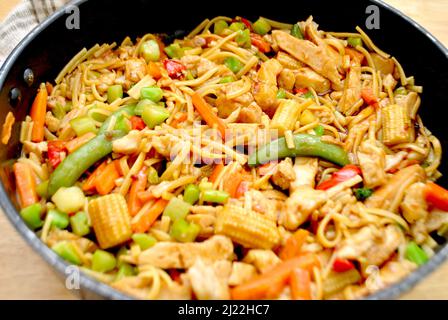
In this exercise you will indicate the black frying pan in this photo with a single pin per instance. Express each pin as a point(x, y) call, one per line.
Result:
point(51, 45)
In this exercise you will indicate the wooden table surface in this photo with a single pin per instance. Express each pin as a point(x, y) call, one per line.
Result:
point(24, 275)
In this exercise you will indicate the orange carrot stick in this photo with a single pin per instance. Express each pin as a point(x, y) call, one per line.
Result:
point(26, 184)
point(271, 283)
point(145, 196)
point(293, 245)
point(148, 214)
point(154, 70)
point(231, 183)
point(38, 111)
point(105, 181)
point(369, 97)
point(354, 55)
point(300, 284)
point(90, 183)
point(216, 171)
point(74, 144)
point(206, 112)
point(134, 203)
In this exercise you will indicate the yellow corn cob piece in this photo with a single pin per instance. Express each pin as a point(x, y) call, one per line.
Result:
point(287, 61)
point(397, 127)
point(248, 228)
point(110, 220)
point(285, 116)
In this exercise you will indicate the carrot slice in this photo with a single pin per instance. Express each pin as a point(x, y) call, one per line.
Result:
point(76, 143)
point(216, 171)
point(148, 214)
point(90, 183)
point(38, 111)
point(26, 184)
point(105, 182)
point(134, 203)
point(437, 196)
point(206, 112)
point(369, 97)
point(293, 245)
point(232, 182)
point(145, 196)
point(354, 55)
point(300, 284)
point(154, 70)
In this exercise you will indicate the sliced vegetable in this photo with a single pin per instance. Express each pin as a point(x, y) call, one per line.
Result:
point(261, 26)
point(25, 184)
point(114, 92)
point(59, 219)
point(154, 115)
point(191, 194)
point(234, 64)
point(80, 224)
point(296, 31)
point(31, 216)
point(174, 50)
point(76, 143)
point(293, 245)
point(215, 196)
point(243, 38)
point(38, 112)
point(258, 41)
point(91, 181)
point(300, 284)
point(354, 41)
point(174, 68)
point(154, 70)
point(148, 216)
point(139, 184)
point(346, 173)
point(177, 209)
point(206, 112)
point(305, 145)
point(236, 26)
point(42, 189)
point(103, 261)
point(437, 196)
point(183, 231)
point(152, 93)
point(363, 193)
point(150, 51)
point(69, 200)
point(144, 240)
point(342, 265)
point(67, 252)
point(106, 178)
point(416, 254)
point(83, 125)
point(219, 27)
point(56, 149)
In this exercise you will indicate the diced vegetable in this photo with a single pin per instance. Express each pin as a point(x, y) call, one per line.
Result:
point(152, 93)
point(261, 26)
point(243, 38)
point(215, 196)
point(416, 254)
point(191, 194)
point(31, 216)
point(183, 231)
point(110, 220)
point(296, 31)
point(68, 200)
point(42, 189)
point(141, 106)
point(206, 112)
point(354, 41)
point(25, 184)
point(114, 92)
point(174, 68)
point(177, 209)
point(285, 116)
point(153, 176)
point(80, 224)
point(174, 51)
point(236, 26)
point(363, 193)
point(437, 196)
point(58, 219)
point(125, 270)
point(258, 41)
point(150, 50)
point(123, 124)
point(346, 173)
point(154, 115)
point(144, 240)
point(103, 261)
point(305, 145)
point(83, 125)
point(67, 252)
point(105, 181)
point(137, 123)
point(38, 112)
point(139, 184)
point(55, 151)
point(300, 284)
point(319, 130)
point(342, 265)
point(248, 228)
point(219, 27)
point(396, 124)
point(233, 64)
point(293, 245)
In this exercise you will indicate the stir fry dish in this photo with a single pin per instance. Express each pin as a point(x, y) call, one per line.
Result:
point(247, 160)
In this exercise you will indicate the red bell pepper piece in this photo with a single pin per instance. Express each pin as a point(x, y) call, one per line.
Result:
point(346, 173)
point(437, 196)
point(174, 68)
point(368, 97)
point(55, 150)
point(137, 123)
point(342, 265)
point(260, 43)
point(300, 90)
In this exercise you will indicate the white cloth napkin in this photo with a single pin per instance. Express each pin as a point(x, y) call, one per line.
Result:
point(22, 19)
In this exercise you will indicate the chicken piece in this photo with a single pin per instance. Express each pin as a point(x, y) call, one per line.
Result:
point(353, 92)
point(370, 245)
point(105, 80)
point(414, 205)
point(167, 255)
point(305, 169)
point(250, 114)
point(436, 219)
point(300, 204)
point(241, 272)
point(198, 64)
point(390, 195)
point(263, 205)
point(385, 65)
point(306, 77)
point(135, 69)
point(265, 87)
point(175, 291)
point(128, 144)
point(206, 283)
point(393, 160)
point(411, 101)
point(286, 79)
point(225, 105)
point(316, 57)
point(372, 160)
point(394, 271)
point(262, 259)
point(284, 174)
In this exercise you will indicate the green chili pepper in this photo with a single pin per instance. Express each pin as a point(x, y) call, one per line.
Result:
point(31, 216)
point(59, 219)
point(261, 26)
point(296, 31)
point(305, 145)
point(416, 254)
point(80, 224)
point(219, 27)
point(215, 196)
point(354, 42)
point(183, 231)
point(176, 209)
point(191, 193)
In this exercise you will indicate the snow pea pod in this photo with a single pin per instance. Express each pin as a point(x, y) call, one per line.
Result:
point(305, 145)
